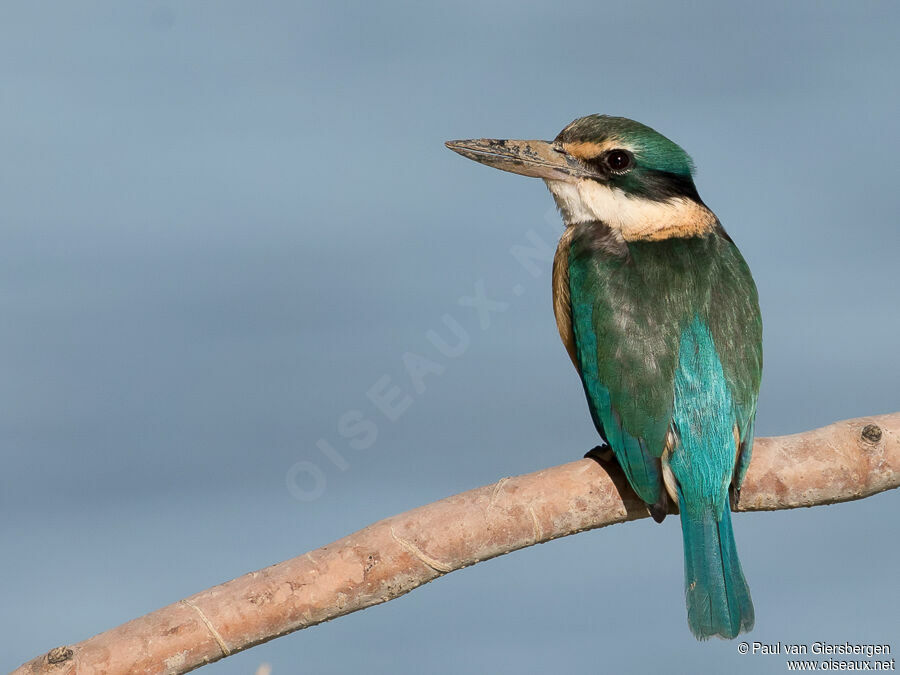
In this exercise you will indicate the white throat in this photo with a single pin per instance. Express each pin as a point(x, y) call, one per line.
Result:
point(633, 218)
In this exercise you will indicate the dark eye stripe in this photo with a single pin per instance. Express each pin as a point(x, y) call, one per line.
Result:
point(616, 161)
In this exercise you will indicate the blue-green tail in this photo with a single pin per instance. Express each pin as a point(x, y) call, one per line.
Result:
point(718, 599)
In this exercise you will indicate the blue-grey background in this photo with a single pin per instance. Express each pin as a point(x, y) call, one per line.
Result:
point(223, 222)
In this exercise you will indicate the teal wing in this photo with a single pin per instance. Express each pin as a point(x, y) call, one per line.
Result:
point(614, 364)
point(735, 324)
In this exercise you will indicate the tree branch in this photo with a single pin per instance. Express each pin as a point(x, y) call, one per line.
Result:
point(847, 460)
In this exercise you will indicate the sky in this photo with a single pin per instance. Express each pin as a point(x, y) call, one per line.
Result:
point(225, 225)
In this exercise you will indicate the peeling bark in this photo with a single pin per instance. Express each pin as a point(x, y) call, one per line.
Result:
point(844, 461)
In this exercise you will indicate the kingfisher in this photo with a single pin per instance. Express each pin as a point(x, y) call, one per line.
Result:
point(660, 316)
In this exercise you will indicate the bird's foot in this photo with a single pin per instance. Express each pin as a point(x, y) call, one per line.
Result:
point(600, 453)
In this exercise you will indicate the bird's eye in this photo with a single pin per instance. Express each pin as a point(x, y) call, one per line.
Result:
point(618, 161)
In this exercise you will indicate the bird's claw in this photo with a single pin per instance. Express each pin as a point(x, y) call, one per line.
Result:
point(600, 453)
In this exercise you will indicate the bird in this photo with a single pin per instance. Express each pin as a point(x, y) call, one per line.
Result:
point(659, 314)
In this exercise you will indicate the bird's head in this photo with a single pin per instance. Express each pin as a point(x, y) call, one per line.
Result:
point(611, 170)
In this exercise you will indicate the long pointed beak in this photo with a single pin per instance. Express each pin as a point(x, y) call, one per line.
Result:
point(538, 159)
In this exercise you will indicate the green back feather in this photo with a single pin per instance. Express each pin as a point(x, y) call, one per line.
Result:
point(628, 316)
